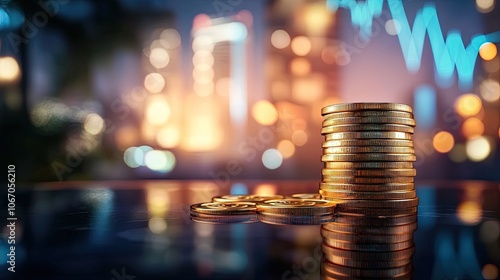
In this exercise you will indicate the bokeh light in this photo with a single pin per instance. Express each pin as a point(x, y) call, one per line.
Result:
point(472, 127)
point(485, 6)
point(265, 189)
point(317, 18)
point(392, 27)
point(264, 112)
point(458, 154)
point(300, 66)
point(468, 105)
point(154, 82)
point(286, 148)
point(133, 157)
point(9, 69)
point(159, 58)
point(299, 137)
point(93, 124)
point(157, 225)
point(301, 45)
point(168, 137)
point(272, 159)
point(490, 271)
point(158, 110)
point(478, 148)
point(280, 39)
point(490, 90)
point(469, 212)
point(488, 51)
point(126, 136)
point(163, 161)
point(170, 38)
point(443, 142)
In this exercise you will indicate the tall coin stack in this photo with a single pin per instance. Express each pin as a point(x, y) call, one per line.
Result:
point(368, 155)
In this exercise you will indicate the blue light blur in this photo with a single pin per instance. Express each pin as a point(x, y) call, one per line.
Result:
point(425, 106)
point(426, 207)
point(239, 189)
point(4, 19)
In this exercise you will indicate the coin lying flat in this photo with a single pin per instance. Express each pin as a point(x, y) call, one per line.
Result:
point(372, 264)
point(368, 188)
point(369, 113)
point(296, 206)
point(368, 273)
point(305, 196)
point(369, 157)
point(224, 208)
point(367, 127)
point(368, 165)
point(334, 194)
point(225, 219)
point(396, 203)
point(365, 106)
point(365, 238)
point(372, 149)
point(367, 142)
point(366, 180)
point(295, 219)
point(395, 255)
point(370, 230)
point(364, 120)
point(370, 172)
point(247, 198)
point(368, 135)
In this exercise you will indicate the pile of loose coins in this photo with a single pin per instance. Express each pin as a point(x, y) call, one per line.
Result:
point(367, 204)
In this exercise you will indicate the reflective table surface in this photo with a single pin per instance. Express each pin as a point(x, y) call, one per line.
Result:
point(142, 230)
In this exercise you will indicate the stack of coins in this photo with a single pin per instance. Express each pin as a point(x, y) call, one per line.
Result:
point(368, 156)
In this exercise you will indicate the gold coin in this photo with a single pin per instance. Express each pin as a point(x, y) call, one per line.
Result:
point(368, 135)
point(327, 275)
point(295, 219)
point(370, 221)
point(218, 219)
point(365, 106)
point(395, 255)
point(367, 142)
point(365, 238)
point(366, 180)
point(368, 165)
point(367, 127)
point(369, 113)
point(368, 247)
point(364, 120)
point(224, 208)
point(375, 212)
point(369, 157)
point(371, 264)
point(296, 206)
point(368, 188)
point(370, 172)
point(370, 230)
point(363, 203)
point(368, 149)
point(247, 198)
point(329, 194)
point(367, 273)
point(305, 196)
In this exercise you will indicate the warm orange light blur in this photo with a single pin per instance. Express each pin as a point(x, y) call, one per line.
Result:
point(468, 105)
point(222, 86)
point(126, 136)
point(469, 212)
point(443, 142)
point(478, 148)
point(280, 90)
point(159, 58)
point(301, 45)
point(300, 66)
point(286, 148)
point(9, 69)
point(308, 89)
point(158, 200)
point(168, 137)
point(490, 271)
point(317, 18)
point(154, 82)
point(264, 112)
point(490, 90)
point(280, 39)
point(202, 130)
point(299, 138)
point(472, 127)
point(265, 189)
point(157, 110)
point(488, 51)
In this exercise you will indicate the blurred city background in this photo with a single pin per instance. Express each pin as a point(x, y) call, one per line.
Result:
point(232, 89)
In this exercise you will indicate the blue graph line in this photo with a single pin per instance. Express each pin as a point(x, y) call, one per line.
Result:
point(449, 53)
